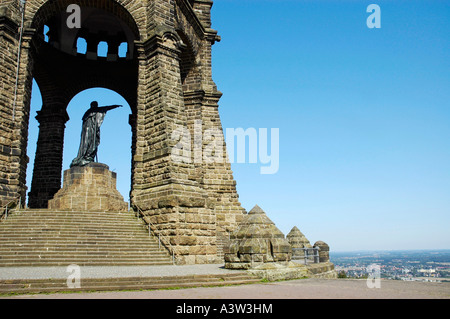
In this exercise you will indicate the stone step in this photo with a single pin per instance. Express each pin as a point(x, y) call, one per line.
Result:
point(61, 233)
point(90, 250)
point(73, 234)
point(75, 243)
point(78, 219)
point(75, 231)
point(69, 215)
point(75, 246)
point(81, 252)
point(70, 212)
point(27, 223)
point(52, 238)
point(74, 226)
point(72, 219)
point(26, 219)
point(56, 211)
point(125, 283)
point(82, 244)
point(81, 258)
point(48, 254)
point(80, 240)
point(54, 263)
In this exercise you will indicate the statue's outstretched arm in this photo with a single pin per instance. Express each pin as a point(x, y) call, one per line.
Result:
point(110, 107)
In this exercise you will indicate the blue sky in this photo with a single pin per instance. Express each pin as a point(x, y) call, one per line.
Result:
point(363, 116)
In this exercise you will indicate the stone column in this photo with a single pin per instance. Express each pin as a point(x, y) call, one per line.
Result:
point(49, 155)
point(15, 85)
point(92, 42)
point(165, 188)
point(324, 251)
point(202, 106)
point(203, 10)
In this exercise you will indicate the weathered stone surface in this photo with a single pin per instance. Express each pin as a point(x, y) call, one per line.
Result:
point(276, 271)
point(298, 241)
point(256, 241)
point(292, 270)
point(166, 78)
point(323, 270)
point(89, 188)
point(324, 251)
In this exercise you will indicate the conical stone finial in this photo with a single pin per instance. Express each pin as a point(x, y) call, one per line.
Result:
point(298, 241)
point(256, 210)
point(257, 240)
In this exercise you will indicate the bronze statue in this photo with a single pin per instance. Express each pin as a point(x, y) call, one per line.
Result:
point(90, 133)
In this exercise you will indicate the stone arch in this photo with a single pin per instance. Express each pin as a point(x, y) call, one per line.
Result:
point(122, 25)
point(42, 10)
point(188, 62)
point(192, 204)
point(61, 73)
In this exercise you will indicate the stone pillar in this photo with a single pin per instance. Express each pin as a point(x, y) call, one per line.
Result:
point(202, 106)
point(49, 155)
point(165, 188)
point(324, 251)
point(15, 85)
point(213, 172)
point(92, 42)
point(203, 10)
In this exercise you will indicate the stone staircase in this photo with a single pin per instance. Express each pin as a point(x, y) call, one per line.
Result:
point(45, 239)
point(27, 286)
point(60, 238)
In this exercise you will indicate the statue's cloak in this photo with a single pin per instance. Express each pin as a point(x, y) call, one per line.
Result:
point(90, 136)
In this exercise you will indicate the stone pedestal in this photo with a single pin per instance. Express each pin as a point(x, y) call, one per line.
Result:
point(89, 188)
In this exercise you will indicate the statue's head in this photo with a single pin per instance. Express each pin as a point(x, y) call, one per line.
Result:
point(94, 104)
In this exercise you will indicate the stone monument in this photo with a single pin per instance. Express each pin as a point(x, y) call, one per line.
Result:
point(165, 76)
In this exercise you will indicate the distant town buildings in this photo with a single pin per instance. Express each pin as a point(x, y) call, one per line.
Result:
point(432, 266)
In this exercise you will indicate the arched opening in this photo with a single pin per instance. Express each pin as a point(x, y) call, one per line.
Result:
point(188, 66)
point(102, 49)
point(81, 46)
point(114, 149)
point(123, 50)
point(74, 67)
point(45, 33)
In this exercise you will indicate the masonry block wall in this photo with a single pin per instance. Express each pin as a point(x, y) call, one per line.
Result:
point(166, 77)
point(14, 100)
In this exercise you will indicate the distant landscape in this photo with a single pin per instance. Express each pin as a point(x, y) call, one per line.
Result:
point(412, 265)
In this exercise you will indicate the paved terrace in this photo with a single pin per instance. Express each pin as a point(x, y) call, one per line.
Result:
point(111, 272)
point(294, 289)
